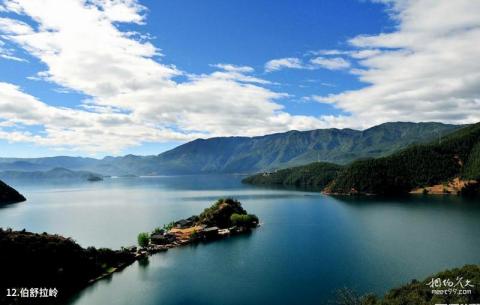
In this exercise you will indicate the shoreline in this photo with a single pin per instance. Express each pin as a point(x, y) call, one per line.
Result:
point(224, 219)
point(147, 252)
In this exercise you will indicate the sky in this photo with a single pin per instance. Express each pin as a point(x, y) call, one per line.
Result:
point(114, 77)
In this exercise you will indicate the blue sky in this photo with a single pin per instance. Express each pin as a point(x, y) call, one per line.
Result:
point(105, 77)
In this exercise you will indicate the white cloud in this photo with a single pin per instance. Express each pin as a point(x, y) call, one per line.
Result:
point(335, 63)
point(330, 63)
point(133, 98)
point(11, 26)
point(122, 10)
point(233, 68)
point(72, 128)
point(427, 69)
point(327, 52)
point(282, 63)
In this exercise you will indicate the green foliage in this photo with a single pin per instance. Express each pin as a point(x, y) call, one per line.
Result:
point(248, 220)
point(317, 174)
point(169, 226)
point(220, 212)
point(158, 230)
point(346, 296)
point(472, 166)
point(43, 260)
point(293, 148)
point(416, 166)
point(419, 293)
point(143, 239)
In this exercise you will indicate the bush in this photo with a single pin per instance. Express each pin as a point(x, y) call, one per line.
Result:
point(243, 220)
point(158, 230)
point(219, 214)
point(143, 239)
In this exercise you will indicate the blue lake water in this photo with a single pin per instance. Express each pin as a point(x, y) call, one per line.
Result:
point(308, 246)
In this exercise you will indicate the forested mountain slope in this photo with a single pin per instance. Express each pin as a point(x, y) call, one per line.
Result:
point(455, 156)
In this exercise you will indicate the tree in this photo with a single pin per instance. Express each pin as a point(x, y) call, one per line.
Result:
point(169, 226)
point(158, 230)
point(244, 220)
point(143, 239)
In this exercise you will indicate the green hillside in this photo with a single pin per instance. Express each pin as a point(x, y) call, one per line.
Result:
point(317, 174)
point(295, 148)
point(457, 155)
point(44, 260)
point(464, 289)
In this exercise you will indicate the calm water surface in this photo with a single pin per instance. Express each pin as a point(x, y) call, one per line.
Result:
point(309, 244)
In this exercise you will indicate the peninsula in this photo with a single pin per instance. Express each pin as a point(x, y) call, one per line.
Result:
point(39, 261)
point(224, 218)
point(31, 260)
point(9, 195)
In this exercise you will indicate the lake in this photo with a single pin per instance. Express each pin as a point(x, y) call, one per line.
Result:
point(308, 246)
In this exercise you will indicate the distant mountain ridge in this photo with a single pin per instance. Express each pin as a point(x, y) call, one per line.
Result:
point(252, 154)
point(55, 173)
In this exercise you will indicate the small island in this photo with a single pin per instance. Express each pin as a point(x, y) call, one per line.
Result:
point(94, 178)
point(224, 218)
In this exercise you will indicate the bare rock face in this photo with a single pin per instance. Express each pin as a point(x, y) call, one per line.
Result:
point(9, 195)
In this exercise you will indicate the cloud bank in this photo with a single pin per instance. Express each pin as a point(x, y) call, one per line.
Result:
point(132, 97)
point(426, 69)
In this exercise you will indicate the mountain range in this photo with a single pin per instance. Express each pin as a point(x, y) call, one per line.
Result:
point(450, 165)
point(250, 154)
point(58, 173)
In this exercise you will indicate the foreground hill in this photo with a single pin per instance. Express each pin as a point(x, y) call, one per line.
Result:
point(318, 175)
point(9, 194)
point(456, 157)
point(51, 261)
point(251, 154)
point(420, 292)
